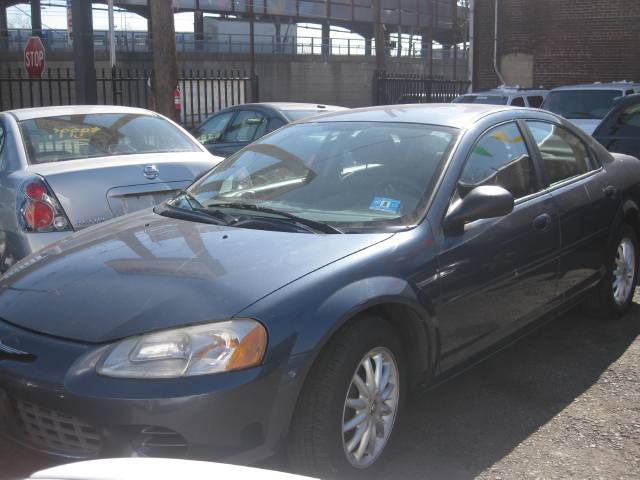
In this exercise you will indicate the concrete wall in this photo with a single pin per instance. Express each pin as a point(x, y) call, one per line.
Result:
point(334, 80)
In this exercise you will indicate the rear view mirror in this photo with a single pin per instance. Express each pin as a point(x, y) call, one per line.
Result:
point(253, 121)
point(486, 201)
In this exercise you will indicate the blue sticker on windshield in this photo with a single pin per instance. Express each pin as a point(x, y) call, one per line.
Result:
point(388, 205)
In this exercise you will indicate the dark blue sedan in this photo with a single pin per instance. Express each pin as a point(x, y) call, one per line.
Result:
point(295, 295)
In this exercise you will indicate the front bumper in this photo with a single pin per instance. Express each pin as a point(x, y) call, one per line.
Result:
point(57, 404)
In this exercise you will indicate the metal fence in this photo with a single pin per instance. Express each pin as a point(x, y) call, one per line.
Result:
point(392, 89)
point(202, 92)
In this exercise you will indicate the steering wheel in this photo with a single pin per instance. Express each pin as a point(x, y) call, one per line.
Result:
point(393, 187)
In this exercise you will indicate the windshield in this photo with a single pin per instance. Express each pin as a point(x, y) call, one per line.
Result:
point(483, 99)
point(347, 174)
point(294, 115)
point(594, 104)
point(71, 137)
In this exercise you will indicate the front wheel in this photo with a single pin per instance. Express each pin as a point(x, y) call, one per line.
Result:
point(350, 403)
point(614, 294)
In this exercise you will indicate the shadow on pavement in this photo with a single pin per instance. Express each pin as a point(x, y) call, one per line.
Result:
point(464, 426)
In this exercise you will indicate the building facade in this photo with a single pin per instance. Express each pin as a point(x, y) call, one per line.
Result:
point(557, 42)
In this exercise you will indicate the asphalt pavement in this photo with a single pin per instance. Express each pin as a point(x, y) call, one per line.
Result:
point(561, 403)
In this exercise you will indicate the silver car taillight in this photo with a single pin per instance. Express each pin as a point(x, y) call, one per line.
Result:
point(40, 210)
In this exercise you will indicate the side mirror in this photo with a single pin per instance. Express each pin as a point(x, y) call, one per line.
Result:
point(486, 201)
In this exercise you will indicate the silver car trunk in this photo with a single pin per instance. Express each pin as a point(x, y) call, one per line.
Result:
point(96, 189)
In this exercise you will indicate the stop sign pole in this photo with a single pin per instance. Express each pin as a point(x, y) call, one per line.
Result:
point(34, 57)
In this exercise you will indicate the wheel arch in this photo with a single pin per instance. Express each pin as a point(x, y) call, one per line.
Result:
point(407, 311)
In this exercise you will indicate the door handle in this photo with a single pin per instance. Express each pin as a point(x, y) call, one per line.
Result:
point(542, 222)
point(610, 191)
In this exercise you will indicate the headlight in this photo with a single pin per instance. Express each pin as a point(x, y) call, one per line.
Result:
point(185, 352)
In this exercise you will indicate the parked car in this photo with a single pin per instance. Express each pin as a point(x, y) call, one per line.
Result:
point(297, 293)
point(586, 105)
point(233, 128)
point(65, 168)
point(515, 96)
point(156, 468)
point(619, 131)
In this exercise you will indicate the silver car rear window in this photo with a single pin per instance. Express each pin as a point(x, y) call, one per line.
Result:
point(72, 137)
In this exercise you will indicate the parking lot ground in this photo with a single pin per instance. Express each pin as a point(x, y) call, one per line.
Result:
point(561, 403)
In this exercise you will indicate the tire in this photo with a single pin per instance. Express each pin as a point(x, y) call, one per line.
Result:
point(316, 444)
point(609, 301)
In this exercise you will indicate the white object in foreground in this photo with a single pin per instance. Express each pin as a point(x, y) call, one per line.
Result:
point(156, 468)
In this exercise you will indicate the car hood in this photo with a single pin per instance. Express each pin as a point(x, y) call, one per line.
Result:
point(145, 272)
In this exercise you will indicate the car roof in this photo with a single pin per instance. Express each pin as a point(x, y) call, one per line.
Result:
point(39, 112)
point(456, 115)
point(502, 91)
point(598, 86)
point(286, 106)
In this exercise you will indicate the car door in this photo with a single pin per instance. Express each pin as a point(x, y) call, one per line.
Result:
point(211, 132)
point(584, 199)
point(620, 130)
point(247, 125)
point(499, 273)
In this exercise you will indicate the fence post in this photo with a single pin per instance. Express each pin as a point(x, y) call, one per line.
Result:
point(255, 88)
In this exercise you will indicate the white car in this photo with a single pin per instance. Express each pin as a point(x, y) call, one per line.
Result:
point(66, 168)
point(505, 95)
point(586, 105)
point(157, 469)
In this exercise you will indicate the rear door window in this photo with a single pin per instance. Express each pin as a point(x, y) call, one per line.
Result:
point(500, 158)
point(535, 101)
point(518, 102)
point(563, 154)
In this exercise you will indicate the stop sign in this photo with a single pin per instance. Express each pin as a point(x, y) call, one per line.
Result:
point(34, 58)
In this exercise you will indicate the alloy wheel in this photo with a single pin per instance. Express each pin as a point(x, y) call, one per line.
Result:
point(370, 407)
point(624, 271)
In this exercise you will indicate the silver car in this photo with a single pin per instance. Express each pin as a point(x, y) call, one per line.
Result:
point(63, 169)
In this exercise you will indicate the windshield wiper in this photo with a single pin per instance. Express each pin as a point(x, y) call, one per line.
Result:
point(213, 217)
point(310, 224)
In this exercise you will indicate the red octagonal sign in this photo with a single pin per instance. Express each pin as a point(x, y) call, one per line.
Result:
point(34, 58)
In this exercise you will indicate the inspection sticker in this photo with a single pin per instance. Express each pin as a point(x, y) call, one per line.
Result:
point(388, 205)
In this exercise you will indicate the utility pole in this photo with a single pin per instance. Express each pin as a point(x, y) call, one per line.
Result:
point(165, 61)
point(36, 18)
point(112, 37)
point(255, 94)
point(379, 36)
point(83, 58)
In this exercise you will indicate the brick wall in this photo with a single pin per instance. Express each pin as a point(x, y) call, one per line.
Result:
point(572, 41)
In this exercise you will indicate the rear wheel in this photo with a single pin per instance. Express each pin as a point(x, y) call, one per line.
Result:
point(350, 403)
point(614, 294)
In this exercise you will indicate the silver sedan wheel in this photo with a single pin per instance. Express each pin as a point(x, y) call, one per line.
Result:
point(370, 407)
point(624, 271)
